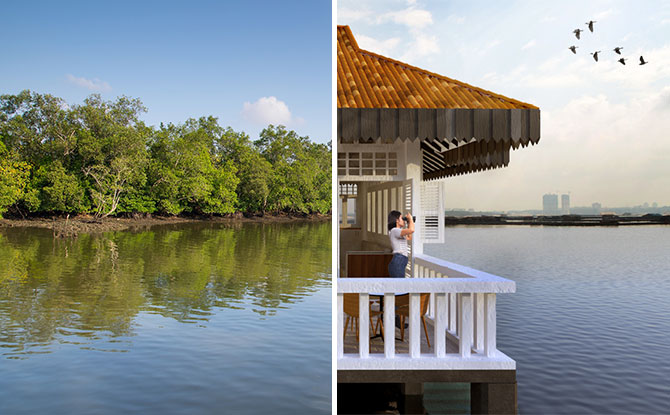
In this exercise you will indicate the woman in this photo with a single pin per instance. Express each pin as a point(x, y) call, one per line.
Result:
point(399, 235)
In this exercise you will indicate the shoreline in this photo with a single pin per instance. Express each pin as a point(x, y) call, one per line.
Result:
point(559, 220)
point(72, 226)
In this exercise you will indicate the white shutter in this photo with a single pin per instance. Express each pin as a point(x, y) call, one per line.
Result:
point(407, 202)
point(432, 212)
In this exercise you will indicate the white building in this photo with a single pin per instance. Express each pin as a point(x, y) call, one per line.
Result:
point(550, 204)
point(565, 204)
point(401, 131)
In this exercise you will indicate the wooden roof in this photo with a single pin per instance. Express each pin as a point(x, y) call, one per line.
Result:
point(368, 80)
point(462, 128)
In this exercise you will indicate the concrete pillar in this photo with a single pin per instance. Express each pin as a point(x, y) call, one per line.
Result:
point(412, 399)
point(493, 398)
point(414, 166)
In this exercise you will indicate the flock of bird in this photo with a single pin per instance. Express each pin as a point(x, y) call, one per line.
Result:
point(617, 50)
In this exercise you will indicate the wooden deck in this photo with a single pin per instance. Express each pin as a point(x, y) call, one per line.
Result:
point(477, 391)
point(464, 298)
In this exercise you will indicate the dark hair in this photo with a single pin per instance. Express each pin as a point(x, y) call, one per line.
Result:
point(393, 217)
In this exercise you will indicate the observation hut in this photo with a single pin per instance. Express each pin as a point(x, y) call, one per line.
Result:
point(401, 131)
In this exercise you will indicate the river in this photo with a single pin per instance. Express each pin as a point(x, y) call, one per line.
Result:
point(192, 318)
point(589, 325)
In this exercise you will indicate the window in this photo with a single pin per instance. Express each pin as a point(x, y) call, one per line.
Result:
point(370, 163)
point(347, 203)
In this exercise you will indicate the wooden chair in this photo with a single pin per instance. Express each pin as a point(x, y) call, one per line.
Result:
point(351, 310)
point(402, 309)
point(368, 264)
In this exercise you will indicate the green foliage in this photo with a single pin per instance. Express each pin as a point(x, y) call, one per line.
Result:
point(58, 190)
point(321, 179)
point(113, 150)
point(100, 158)
point(14, 177)
point(300, 179)
point(184, 173)
point(254, 171)
point(221, 199)
point(136, 200)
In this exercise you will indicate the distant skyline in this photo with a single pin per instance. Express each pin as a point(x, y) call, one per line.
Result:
point(248, 64)
point(605, 127)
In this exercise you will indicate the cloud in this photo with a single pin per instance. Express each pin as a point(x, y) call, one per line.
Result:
point(604, 14)
point(635, 76)
point(454, 19)
point(664, 101)
point(556, 72)
point(346, 15)
point(410, 17)
point(422, 45)
point(632, 75)
point(607, 149)
point(90, 84)
point(417, 41)
point(382, 47)
point(568, 70)
point(599, 149)
point(529, 45)
point(267, 110)
point(418, 44)
point(485, 49)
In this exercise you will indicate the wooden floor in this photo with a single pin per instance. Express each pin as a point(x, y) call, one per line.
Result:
point(401, 347)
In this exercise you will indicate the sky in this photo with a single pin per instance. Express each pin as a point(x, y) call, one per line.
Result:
point(605, 127)
point(248, 63)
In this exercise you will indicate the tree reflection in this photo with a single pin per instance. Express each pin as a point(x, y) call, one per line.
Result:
point(94, 286)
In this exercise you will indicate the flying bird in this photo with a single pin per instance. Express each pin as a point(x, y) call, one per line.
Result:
point(618, 50)
point(590, 25)
point(577, 32)
point(595, 55)
point(573, 49)
point(622, 60)
point(642, 61)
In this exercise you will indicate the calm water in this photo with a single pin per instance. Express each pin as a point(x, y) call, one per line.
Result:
point(589, 325)
point(188, 319)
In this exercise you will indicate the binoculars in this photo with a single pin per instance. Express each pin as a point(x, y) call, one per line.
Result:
point(404, 219)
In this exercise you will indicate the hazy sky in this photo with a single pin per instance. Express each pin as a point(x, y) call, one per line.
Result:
point(605, 127)
point(247, 63)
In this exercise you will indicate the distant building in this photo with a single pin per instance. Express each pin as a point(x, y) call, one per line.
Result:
point(597, 207)
point(565, 204)
point(550, 204)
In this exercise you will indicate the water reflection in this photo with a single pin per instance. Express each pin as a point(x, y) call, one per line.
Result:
point(89, 290)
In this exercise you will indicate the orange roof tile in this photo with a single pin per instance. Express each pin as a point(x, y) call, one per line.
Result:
point(368, 80)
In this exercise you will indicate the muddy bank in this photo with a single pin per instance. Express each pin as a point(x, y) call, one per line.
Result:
point(71, 226)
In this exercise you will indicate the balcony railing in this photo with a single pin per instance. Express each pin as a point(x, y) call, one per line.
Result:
point(462, 312)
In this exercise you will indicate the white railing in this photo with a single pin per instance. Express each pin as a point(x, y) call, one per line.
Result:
point(462, 310)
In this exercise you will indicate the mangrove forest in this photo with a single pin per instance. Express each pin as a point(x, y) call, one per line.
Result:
point(99, 158)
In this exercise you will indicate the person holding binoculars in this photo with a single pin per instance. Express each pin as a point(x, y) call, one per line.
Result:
point(399, 235)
